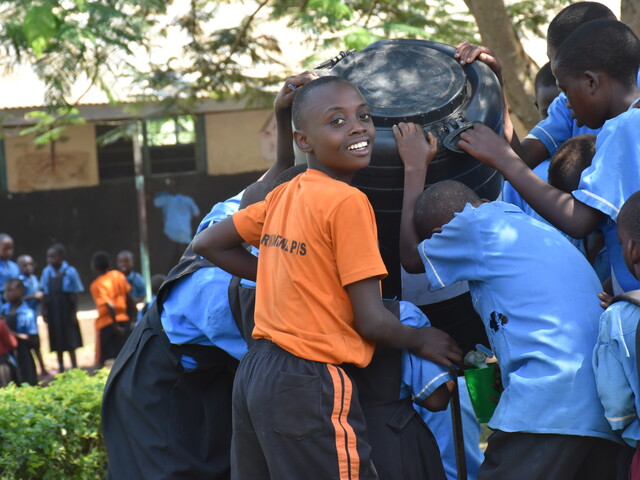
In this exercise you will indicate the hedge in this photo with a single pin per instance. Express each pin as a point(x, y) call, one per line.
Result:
point(53, 432)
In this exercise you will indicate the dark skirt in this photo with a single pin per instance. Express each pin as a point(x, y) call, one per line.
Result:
point(64, 331)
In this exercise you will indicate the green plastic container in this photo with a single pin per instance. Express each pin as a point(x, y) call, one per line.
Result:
point(480, 386)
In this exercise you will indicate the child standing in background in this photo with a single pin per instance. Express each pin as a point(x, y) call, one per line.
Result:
point(8, 268)
point(61, 284)
point(32, 297)
point(110, 291)
point(22, 323)
point(125, 262)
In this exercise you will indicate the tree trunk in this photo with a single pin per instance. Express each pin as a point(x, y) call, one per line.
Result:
point(518, 69)
point(630, 14)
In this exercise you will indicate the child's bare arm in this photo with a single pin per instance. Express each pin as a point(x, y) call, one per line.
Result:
point(221, 244)
point(530, 150)
point(416, 154)
point(559, 208)
point(374, 322)
point(439, 399)
point(284, 137)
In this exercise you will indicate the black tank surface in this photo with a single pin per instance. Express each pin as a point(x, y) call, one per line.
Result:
point(419, 81)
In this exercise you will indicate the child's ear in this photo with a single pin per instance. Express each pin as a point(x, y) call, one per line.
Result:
point(593, 81)
point(633, 251)
point(302, 141)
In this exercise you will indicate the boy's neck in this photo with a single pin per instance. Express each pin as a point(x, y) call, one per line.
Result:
point(15, 304)
point(346, 177)
point(622, 98)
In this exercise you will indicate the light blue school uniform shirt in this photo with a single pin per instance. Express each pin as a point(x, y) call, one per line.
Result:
point(614, 175)
point(25, 319)
point(71, 282)
point(537, 297)
point(559, 127)
point(177, 212)
point(8, 270)
point(614, 364)
point(420, 378)
point(221, 210)
point(138, 286)
point(31, 287)
point(196, 310)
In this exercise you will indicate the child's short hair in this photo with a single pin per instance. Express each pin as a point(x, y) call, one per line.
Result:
point(570, 160)
point(290, 173)
point(23, 258)
point(4, 237)
point(438, 203)
point(59, 249)
point(100, 261)
point(127, 253)
point(629, 216)
point(254, 193)
point(571, 17)
point(607, 46)
point(303, 93)
point(156, 282)
point(545, 78)
point(15, 283)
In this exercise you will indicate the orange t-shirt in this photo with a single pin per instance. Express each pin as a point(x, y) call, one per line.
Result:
point(110, 287)
point(316, 235)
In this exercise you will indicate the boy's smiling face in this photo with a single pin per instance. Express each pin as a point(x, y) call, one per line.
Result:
point(338, 131)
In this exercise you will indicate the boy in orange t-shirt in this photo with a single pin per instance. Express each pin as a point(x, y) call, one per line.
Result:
point(318, 301)
point(109, 291)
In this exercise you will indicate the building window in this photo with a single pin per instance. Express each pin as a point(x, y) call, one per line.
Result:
point(172, 144)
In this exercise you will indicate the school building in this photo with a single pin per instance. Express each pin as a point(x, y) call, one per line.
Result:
point(82, 190)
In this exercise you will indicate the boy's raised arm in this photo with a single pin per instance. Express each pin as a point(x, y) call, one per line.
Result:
point(559, 208)
point(285, 155)
point(221, 244)
point(416, 154)
point(530, 150)
point(374, 322)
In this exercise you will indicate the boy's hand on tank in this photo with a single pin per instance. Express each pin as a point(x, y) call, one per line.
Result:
point(468, 53)
point(438, 347)
point(605, 299)
point(484, 144)
point(288, 91)
point(415, 149)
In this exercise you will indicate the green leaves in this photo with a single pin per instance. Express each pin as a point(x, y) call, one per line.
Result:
point(40, 27)
point(53, 432)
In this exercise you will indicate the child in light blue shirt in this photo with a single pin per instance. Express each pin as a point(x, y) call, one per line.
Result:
point(615, 357)
point(537, 296)
point(8, 268)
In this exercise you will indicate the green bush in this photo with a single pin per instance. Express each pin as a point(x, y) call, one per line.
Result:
point(53, 432)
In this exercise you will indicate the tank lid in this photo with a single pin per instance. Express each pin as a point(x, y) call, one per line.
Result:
point(416, 81)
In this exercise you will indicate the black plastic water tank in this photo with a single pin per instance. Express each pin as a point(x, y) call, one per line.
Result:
point(419, 81)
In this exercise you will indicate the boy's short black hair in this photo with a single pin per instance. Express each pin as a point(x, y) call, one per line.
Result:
point(607, 46)
point(100, 261)
point(290, 173)
point(254, 193)
point(569, 161)
point(571, 17)
point(4, 237)
point(156, 282)
point(545, 78)
point(59, 249)
point(127, 253)
point(16, 283)
point(629, 216)
point(438, 203)
point(303, 93)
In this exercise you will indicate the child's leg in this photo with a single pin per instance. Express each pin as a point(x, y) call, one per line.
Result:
point(60, 361)
point(531, 456)
point(306, 418)
point(35, 348)
point(72, 356)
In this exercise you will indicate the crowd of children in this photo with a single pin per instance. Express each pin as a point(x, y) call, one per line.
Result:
point(268, 352)
point(54, 296)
